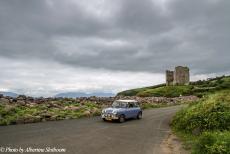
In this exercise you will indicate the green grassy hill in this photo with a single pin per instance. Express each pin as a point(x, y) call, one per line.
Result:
point(198, 88)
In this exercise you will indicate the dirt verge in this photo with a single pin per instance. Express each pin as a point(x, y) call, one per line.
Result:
point(172, 145)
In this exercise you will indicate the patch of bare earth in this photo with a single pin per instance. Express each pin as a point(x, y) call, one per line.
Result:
point(172, 145)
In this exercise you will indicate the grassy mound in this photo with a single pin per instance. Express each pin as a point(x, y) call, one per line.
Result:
point(134, 92)
point(205, 123)
point(167, 91)
point(198, 88)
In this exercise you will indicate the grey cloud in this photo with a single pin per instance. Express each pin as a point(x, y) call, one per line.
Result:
point(193, 33)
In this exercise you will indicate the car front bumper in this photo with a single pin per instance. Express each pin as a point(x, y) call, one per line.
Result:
point(109, 116)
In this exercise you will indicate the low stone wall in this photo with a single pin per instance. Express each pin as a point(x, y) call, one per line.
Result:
point(23, 100)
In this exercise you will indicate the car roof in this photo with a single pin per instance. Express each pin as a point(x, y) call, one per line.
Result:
point(126, 100)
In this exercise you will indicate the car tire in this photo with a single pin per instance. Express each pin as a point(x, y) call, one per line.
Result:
point(139, 115)
point(103, 119)
point(121, 118)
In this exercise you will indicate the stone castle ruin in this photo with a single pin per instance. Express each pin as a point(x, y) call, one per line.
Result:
point(180, 76)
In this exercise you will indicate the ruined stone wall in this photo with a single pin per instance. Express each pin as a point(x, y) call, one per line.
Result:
point(181, 76)
point(178, 77)
point(169, 78)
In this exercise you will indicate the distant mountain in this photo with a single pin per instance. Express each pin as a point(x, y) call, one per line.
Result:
point(11, 94)
point(81, 94)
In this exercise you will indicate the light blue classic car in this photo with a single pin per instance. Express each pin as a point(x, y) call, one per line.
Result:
point(122, 110)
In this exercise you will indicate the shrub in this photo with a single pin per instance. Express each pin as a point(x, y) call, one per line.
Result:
point(213, 143)
point(211, 113)
point(207, 123)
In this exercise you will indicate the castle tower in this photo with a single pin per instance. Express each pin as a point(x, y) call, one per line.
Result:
point(169, 78)
point(181, 76)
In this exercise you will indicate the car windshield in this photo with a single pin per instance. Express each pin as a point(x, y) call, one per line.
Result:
point(119, 104)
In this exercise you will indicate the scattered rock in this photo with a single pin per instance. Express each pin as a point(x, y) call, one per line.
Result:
point(53, 118)
point(21, 97)
point(46, 115)
point(37, 118)
point(21, 102)
point(9, 108)
point(4, 100)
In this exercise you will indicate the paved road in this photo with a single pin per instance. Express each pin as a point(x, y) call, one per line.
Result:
point(92, 135)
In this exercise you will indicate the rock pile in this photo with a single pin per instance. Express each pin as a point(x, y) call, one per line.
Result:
point(104, 101)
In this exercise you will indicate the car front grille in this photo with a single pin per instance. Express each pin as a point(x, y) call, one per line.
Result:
point(108, 115)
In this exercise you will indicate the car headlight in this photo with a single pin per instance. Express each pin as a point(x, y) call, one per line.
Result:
point(114, 112)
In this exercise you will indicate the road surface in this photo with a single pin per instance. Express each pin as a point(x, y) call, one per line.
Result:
point(92, 135)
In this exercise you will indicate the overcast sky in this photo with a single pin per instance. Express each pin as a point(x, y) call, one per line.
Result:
point(52, 46)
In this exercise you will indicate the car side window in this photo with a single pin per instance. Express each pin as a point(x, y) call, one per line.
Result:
point(135, 104)
point(131, 105)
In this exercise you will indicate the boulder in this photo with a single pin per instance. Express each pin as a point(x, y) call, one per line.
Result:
point(21, 102)
point(9, 108)
point(21, 97)
point(46, 115)
point(4, 100)
point(53, 118)
point(26, 119)
point(72, 108)
point(37, 118)
point(86, 113)
point(31, 104)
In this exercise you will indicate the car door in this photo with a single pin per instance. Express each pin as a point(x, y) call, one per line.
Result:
point(135, 110)
point(128, 111)
point(132, 110)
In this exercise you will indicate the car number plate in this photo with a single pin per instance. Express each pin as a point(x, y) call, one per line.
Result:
point(108, 119)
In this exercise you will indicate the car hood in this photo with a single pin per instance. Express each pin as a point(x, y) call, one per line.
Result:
point(112, 110)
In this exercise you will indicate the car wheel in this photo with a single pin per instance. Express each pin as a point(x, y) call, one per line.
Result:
point(122, 118)
point(103, 119)
point(139, 115)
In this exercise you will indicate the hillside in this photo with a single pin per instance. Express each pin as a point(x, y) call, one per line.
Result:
point(205, 125)
point(198, 88)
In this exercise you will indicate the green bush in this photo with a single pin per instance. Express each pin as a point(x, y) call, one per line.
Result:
point(210, 113)
point(206, 123)
point(213, 143)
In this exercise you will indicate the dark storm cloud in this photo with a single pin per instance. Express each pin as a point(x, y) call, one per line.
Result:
point(126, 35)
